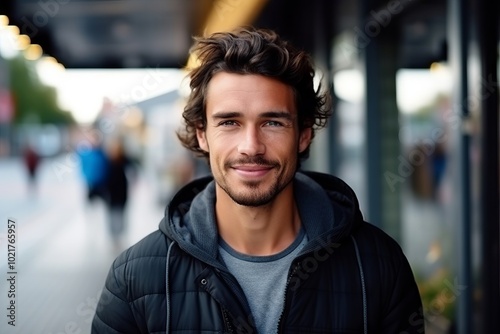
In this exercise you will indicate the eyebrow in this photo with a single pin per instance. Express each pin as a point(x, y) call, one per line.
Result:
point(268, 114)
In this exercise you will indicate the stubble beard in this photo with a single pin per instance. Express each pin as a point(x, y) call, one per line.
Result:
point(251, 196)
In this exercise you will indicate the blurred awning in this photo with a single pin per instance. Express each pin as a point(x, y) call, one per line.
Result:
point(158, 33)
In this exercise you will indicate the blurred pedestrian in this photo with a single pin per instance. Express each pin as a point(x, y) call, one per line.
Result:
point(94, 165)
point(31, 160)
point(121, 167)
point(438, 168)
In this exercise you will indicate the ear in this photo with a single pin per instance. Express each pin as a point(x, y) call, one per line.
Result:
point(202, 139)
point(305, 139)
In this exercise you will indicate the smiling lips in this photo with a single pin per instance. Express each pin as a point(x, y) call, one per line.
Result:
point(252, 170)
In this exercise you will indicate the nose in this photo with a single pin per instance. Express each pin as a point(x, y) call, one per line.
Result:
point(251, 143)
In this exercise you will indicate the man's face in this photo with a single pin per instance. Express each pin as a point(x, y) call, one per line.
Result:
point(252, 136)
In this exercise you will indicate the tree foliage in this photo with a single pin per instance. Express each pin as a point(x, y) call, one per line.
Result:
point(33, 100)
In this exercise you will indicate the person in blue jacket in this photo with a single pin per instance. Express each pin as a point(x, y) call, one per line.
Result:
point(261, 246)
point(94, 165)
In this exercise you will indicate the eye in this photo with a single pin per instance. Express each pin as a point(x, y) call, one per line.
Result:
point(274, 123)
point(227, 123)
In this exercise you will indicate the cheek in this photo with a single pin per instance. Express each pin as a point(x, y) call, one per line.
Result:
point(218, 150)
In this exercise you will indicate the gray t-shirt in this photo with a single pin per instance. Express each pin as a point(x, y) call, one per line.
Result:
point(263, 280)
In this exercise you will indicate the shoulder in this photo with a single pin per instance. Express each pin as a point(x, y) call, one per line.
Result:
point(154, 245)
point(142, 266)
point(141, 270)
point(380, 253)
point(371, 237)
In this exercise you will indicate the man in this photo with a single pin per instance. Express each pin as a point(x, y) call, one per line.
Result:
point(261, 247)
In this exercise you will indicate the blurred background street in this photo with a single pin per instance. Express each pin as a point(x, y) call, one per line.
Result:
point(63, 245)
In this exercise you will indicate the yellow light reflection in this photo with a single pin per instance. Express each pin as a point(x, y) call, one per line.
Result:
point(4, 20)
point(53, 63)
point(33, 52)
point(60, 67)
point(14, 30)
point(50, 60)
point(228, 15)
point(23, 41)
point(436, 67)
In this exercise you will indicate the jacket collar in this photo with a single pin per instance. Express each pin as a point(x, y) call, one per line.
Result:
point(328, 208)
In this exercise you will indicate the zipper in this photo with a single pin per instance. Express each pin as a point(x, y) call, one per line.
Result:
point(236, 289)
point(226, 321)
point(229, 278)
point(285, 294)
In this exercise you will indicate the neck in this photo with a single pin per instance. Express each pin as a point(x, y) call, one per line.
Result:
point(263, 230)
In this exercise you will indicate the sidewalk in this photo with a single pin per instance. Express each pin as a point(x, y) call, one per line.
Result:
point(63, 251)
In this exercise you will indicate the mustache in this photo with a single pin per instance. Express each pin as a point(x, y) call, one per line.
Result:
point(258, 160)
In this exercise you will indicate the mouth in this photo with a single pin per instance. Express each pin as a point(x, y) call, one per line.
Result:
point(252, 170)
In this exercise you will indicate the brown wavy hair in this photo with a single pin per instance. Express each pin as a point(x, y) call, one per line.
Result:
point(252, 51)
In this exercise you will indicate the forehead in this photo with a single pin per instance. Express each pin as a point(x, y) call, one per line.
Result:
point(248, 91)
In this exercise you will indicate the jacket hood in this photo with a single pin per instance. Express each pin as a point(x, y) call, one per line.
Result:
point(328, 208)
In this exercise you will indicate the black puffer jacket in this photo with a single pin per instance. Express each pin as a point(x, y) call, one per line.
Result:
point(350, 278)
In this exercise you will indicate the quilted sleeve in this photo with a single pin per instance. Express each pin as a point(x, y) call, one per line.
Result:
point(404, 312)
point(113, 313)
